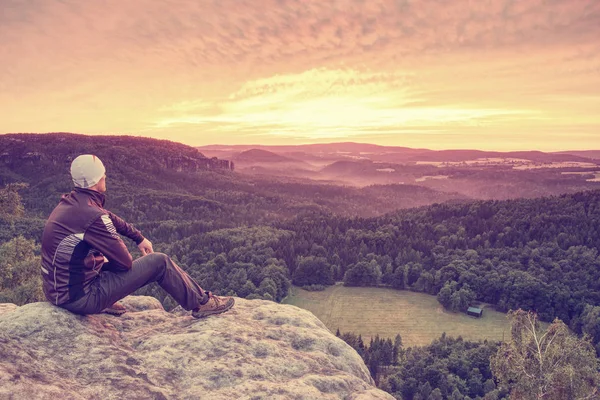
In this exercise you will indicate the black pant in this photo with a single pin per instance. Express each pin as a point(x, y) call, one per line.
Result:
point(111, 286)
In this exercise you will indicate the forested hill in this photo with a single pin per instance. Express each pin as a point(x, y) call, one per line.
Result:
point(43, 161)
point(536, 254)
point(59, 149)
point(156, 180)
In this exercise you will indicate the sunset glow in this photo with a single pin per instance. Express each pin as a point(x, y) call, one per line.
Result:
point(494, 74)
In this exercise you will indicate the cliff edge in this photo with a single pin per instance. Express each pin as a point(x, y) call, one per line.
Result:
point(257, 350)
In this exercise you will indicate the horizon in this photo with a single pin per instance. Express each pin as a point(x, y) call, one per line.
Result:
point(303, 144)
point(494, 76)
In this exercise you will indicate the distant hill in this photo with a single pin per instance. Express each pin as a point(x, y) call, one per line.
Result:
point(472, 173)
point(61, 148)
point(152, 180)
point(315, 147)
point(267, 163)
point(338, 151)
point(593, 154)
point(466, 155)
point(348, 167)
point(263, 156)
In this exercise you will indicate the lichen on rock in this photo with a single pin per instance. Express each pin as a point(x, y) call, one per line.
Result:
point(257, 350)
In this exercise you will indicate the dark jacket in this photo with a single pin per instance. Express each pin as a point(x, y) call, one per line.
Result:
point(80, 238)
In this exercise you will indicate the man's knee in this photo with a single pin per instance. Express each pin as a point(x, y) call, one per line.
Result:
point(156, 257)
point(158, 261)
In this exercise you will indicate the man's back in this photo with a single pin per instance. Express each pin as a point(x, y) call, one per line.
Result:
point(69, 262)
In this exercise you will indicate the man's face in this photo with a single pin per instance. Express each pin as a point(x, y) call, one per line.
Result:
point(102, 184)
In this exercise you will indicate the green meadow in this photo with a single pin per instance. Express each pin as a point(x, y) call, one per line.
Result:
point(417, 317)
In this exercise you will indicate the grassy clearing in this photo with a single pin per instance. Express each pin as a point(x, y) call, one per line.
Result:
point(418, 317)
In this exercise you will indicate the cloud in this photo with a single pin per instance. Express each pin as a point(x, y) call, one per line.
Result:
point(330, 103)
point(311, 32)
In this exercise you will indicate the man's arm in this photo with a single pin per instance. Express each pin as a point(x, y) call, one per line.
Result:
point(125, 229)
point(128, 230)
point(102, 236)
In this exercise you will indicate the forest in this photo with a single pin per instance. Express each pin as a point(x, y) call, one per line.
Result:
point(537, 254)
point(447, 368)
point(531, 363)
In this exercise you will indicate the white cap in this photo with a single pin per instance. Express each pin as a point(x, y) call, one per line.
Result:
point(87, 170)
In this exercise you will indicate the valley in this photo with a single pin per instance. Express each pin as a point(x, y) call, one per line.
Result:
point(471, 173)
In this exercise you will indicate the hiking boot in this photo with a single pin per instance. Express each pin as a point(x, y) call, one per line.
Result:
point(214, 305)
point(116, 309)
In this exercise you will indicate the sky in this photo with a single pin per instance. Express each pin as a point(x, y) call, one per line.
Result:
point(484, 74)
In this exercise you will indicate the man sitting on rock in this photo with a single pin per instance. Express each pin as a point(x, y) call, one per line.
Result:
point(86, 267)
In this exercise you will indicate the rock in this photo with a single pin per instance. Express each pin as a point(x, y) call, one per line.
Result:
point(257, 350)
point(7, 307)
point(141, 303)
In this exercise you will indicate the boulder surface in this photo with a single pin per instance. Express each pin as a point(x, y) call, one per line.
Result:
point(257, 350)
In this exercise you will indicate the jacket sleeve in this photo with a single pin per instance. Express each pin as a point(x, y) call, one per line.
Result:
point(125, 229)
point(102, 236)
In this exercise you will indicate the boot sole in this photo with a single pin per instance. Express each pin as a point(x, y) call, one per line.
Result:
point(111, 311)
point(202, 314)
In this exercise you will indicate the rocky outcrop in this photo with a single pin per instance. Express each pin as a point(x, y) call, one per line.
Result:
point(257, 350)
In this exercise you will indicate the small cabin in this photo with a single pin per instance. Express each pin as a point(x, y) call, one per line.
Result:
point(475, 312)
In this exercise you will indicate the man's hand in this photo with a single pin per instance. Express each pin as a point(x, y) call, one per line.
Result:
point(145, 247)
